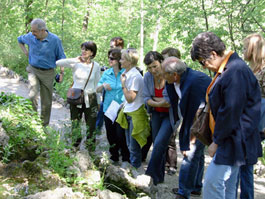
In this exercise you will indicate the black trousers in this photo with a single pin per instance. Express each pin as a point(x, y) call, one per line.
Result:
point(117, 140)
point(89, 113)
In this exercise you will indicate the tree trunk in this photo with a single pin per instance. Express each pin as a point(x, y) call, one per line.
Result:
point(62, 28)
point(156, 34)
point(205, 15)
point(230, 24)
point(86, 17)
point(142, 35)
point(46, 8)
point(29, 14)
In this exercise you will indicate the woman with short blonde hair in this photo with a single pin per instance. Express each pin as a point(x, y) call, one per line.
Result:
point(133, 117)
point(131, 55)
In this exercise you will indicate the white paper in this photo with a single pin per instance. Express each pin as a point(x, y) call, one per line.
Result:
point(112, 110)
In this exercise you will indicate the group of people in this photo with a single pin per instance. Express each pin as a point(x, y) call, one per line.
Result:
point(155, 107)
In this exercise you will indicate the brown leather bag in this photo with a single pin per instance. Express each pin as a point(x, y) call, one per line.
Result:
point(75, 96)
point(200, 128)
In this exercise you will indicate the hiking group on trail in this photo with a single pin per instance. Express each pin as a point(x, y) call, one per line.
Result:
point(140, 109)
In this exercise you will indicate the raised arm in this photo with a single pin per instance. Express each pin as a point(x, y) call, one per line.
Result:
point(69, 63)
point(23, 48)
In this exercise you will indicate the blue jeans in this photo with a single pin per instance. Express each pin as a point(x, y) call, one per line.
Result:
point(246, 182)
point(191, 170)
point(133, 146)
point(161, 133)
point(220, 181)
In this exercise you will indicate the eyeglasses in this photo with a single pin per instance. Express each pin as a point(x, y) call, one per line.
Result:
point(203, 61)
point(112, 58)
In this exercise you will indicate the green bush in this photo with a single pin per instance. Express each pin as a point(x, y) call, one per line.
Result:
point(21, 123)
point(24, 128)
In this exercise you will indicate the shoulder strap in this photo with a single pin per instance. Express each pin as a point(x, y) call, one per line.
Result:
point(89, 75)
point(220, 70)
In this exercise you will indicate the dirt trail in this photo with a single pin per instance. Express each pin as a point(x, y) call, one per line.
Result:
point(60, 114)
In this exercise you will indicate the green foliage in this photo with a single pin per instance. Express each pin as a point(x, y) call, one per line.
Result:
point(175, 23)
point(24, 128)
point(59, 158)
point(6, 153)
point(21, 122)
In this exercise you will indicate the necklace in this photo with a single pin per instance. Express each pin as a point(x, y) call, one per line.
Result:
point(159, 83)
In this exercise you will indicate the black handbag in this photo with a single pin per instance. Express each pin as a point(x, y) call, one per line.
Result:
point(75, 96)
point(200, 127)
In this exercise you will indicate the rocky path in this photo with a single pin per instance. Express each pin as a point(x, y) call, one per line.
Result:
point(11, 83)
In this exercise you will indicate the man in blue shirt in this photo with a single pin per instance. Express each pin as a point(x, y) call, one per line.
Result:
point(44, 49)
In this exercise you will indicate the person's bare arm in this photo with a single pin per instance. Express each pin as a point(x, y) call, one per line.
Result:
point(105, 86)
point(24, 49)
point(61, 74)
point(159, 102)
point(129, 94)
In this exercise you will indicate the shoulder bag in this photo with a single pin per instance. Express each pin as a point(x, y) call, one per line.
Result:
point(75, 96)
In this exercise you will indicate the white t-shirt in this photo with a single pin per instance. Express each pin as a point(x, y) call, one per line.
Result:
point(134, 81)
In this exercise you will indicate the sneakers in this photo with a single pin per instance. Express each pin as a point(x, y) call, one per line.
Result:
point(171, 171)
point(193, 193)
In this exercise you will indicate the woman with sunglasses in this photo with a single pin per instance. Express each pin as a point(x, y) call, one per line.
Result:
point(111, 83)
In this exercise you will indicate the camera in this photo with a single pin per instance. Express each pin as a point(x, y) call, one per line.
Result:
point(57, 77)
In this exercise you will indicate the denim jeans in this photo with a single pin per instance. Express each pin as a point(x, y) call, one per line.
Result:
point(191, 170)
point(161, 133)
point(220, 181)
point(246, 182)
point(133, 146)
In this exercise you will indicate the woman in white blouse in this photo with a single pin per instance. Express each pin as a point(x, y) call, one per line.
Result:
point(81, 67)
